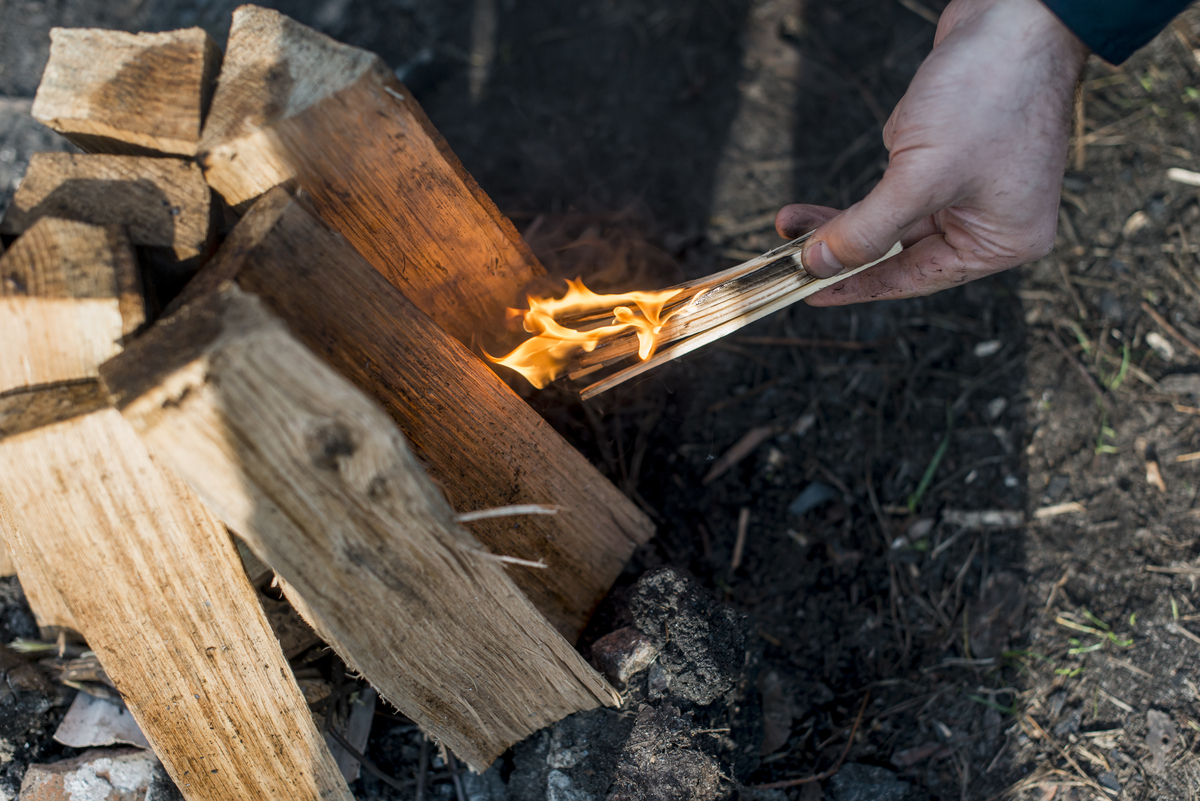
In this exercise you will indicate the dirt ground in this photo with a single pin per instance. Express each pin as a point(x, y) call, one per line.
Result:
point(1047, 650)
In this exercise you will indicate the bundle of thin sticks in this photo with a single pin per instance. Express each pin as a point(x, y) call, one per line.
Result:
point(703, 311)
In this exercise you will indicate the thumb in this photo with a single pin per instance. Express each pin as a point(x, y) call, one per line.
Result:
point(867, 230)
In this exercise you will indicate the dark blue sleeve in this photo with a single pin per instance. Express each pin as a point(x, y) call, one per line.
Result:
point(1113, 29)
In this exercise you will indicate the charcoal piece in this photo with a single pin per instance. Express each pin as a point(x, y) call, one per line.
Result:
point(663, 762)
point(703, 642)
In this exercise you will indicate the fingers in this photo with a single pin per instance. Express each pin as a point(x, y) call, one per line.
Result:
point(800, 218)
point(867, 230)
point(929, 266)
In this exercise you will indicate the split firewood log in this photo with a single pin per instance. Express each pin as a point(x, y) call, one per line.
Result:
point(129, 93)
point(482, 444)
point(148, 575)
point(164, 204)
point(294, 105)
point(319, 482)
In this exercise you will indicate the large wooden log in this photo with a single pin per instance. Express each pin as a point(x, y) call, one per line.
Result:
point(483, 445)
point(321, 485)
point(294, 105)
point(128, 93)
point(164, 204)
point(148, 575)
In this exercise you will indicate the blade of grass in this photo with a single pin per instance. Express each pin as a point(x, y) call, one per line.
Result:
point(914, 500)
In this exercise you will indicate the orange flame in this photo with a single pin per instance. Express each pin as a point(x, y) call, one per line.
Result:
point(553, 346)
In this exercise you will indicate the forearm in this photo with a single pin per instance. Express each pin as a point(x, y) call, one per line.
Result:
point(1114, 29)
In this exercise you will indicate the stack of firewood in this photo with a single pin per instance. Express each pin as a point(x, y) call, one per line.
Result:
point(288, 359)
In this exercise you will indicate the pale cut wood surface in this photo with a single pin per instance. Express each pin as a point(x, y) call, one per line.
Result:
point(157, 589)
point(7, 566)
point(108, 544)
point(293, 104)
point(164, 203)
point(48, 607)
point(131, 93)
point(482, 444)
point(69, 292)
point(321, 484)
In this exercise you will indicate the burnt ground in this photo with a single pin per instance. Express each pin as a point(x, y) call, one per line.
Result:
point(1052, 656)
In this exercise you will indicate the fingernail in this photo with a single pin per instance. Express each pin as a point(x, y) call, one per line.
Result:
point(819, 260)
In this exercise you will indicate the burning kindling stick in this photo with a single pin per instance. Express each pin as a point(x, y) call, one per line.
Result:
point(583, 332)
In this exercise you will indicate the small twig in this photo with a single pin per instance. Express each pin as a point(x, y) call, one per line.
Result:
point(367, 764)
point(1066, 576)
point(506, 560)
point(1170, 329)
point(1182, 632)
point(1080, 128)
point(1173, 571)
point(507, 511)
point(924, 12)
point(820, 777)
point(422, 769)
point(452, 763)
point(1071, 291)
point(1088, 779)
point(742, 525)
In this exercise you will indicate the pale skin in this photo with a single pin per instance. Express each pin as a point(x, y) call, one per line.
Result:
point(977, 148)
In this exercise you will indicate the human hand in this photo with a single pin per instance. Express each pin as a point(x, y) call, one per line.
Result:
point(978, 145)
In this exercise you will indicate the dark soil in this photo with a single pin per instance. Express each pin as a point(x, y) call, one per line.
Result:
point(639, 143)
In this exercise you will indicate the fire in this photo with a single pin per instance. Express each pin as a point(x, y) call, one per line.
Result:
point(553, 346)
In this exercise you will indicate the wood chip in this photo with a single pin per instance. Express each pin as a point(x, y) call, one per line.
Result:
point(1154, 476)
point(1183, 176)
point(1058, 509)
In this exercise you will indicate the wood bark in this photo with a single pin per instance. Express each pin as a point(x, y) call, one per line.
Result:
point(482, 444)
point(128, 93)
point(320, 483)
point(294, 105)
point(147, 574)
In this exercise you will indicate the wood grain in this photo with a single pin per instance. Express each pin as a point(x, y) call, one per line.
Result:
point(128, 93)
point(481, 443)
point(294, 105)
point(321, 485)
point(68, 293)
point(49, 609)
point(130, 556)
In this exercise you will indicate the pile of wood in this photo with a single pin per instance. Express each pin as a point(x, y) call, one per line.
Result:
point(291, 360)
